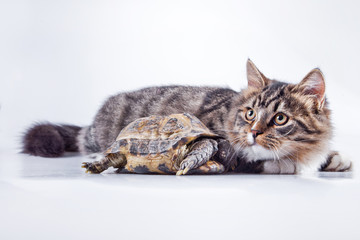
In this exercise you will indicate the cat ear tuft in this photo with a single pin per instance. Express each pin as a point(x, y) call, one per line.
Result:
point(255, 78)
point(314, 85)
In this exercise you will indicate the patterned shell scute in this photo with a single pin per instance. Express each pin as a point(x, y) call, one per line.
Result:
point(147, 146)
point(159, 134)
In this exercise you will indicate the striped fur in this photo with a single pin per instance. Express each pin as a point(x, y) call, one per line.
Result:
point(211, 105)
point(301, 142)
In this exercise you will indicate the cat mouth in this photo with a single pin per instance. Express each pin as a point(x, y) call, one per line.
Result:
point(251, 141)
point(256, 151)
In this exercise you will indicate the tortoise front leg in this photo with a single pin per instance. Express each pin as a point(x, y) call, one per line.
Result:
point(210, 167)
point(111, 160)
point(96, 166)
point(200, 152)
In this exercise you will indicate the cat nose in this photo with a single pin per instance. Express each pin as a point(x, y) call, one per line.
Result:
point(255, 132)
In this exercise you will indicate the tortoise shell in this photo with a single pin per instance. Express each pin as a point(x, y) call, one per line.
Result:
point(157, 144)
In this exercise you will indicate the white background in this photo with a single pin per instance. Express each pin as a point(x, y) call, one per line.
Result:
point(59, 60)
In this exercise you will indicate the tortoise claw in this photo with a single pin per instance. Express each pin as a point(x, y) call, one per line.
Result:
point(85, 165)
point(186, 170)
point(90, 168)
point(182, 172)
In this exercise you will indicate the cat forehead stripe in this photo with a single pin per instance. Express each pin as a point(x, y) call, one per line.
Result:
point(271, 95)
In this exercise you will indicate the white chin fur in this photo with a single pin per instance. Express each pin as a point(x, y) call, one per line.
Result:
point(257, 152)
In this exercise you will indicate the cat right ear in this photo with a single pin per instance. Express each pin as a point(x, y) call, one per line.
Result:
point(313, 85)
point(255, 78)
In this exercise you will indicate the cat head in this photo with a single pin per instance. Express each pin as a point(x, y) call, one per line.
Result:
point(276, 120)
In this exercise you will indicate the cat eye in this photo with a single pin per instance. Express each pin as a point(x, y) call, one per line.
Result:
point(280, 119)
point(250, 114)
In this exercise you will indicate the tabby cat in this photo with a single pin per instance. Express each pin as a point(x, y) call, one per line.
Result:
point(274, 127)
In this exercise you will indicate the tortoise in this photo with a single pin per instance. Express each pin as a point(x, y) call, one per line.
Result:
point(177, 143)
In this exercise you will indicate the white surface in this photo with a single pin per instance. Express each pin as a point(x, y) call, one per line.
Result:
point(59, 60)
point(54, 199)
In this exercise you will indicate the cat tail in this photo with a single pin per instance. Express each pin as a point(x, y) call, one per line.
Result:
point(50, 140)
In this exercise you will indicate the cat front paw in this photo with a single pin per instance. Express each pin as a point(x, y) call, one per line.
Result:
point(336, 163)
point(279, 167)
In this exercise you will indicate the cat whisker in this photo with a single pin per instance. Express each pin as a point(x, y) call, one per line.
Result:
point(274, 152)
point(288, 154)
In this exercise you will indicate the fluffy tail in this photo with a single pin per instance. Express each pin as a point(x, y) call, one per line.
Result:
point(50, 140)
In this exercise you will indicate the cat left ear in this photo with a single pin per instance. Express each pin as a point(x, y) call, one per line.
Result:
point(314, 85)
point(255, 78)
